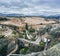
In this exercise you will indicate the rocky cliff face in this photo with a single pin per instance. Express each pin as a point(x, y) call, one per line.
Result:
point(54, 51)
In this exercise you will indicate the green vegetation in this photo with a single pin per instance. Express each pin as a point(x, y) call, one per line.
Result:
point(31, 30)
point(42, 31)
point(33, 39)
point(24, 50)
point(55, 37)
point(54, 41)
point(22, 35)
point(26, 27)
point(42, 43)
point(55, 34)
point(3, 50)
point(3, 19)
point(14, 32)
point(1, 36)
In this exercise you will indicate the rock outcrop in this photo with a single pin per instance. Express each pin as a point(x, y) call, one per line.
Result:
point(54, 51)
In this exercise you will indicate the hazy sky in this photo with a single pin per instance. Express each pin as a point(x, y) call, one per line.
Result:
point(29, 7)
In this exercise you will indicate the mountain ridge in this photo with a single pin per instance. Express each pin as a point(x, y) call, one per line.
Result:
point(57, 16)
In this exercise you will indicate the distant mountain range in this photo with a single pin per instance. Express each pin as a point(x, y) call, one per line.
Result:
point(57, 16)
point(15, 15)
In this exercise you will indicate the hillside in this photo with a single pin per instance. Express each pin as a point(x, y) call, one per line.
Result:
point(54, 51)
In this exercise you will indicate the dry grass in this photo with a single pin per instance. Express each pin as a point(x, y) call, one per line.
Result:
point(34, 21)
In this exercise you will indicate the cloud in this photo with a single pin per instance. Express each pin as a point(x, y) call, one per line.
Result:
point(30, 6)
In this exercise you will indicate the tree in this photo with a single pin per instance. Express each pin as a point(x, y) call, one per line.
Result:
point(1, 36)
point(26, 26)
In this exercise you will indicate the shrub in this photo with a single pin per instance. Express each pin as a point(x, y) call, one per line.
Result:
point(3, 19)
point(1, 36)
point(24, 50)
point(42, 43)
point(14, 32)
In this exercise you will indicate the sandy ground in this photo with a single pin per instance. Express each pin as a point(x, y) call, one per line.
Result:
point(34, 21)
point(13, 21)
point(37, 20)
